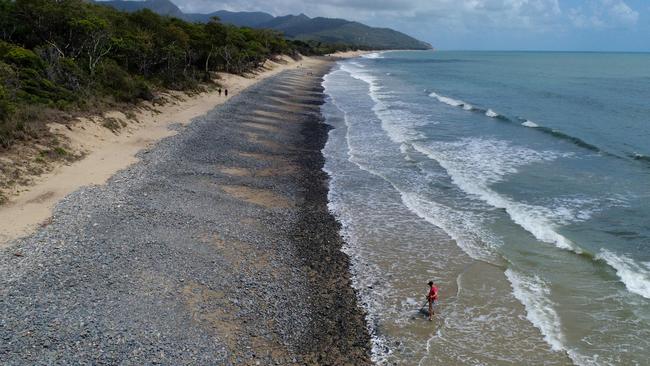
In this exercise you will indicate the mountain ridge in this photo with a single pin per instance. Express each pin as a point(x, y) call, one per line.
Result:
point(299, 27)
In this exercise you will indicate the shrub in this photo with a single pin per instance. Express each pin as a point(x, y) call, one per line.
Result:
point(5, 104)
point(19, 56)
point(115, 81)
point(7, 126)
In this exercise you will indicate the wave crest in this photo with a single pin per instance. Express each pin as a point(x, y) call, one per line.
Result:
point(635, 276)
point(492, 114)
point(450, 101)
point(641, 157)
point(534, 294)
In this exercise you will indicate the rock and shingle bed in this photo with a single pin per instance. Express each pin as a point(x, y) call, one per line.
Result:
point(216, 248)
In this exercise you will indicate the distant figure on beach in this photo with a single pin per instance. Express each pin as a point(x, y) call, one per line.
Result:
point(219, 91)
point(226, 93)
point(432, 297)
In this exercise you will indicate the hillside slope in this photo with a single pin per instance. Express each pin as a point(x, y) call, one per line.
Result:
point(300, 27)
point(161, 7)
point(240, 19)
point(330, 30)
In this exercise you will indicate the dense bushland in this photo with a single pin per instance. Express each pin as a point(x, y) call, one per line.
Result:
point(67, 55)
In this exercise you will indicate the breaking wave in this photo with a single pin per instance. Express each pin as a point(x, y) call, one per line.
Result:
point(635, 276)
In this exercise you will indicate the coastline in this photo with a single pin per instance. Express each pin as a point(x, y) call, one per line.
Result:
point(105, 151)
point(219, 240)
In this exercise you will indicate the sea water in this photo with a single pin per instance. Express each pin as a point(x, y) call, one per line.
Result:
point(518, 181)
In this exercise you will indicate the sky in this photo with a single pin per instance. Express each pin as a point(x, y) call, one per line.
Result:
point(564, 25)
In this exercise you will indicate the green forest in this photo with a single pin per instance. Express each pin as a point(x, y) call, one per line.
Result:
point(73, 55)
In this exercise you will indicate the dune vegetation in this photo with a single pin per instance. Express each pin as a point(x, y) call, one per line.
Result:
point(59, 56)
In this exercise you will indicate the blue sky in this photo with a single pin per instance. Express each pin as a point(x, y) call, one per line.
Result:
point(567, 25)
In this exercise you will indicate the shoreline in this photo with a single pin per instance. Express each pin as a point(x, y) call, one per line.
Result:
point(106, 152)
point(216, 247)
point(318, 239)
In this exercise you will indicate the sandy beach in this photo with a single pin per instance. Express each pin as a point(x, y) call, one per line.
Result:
point(214, 247)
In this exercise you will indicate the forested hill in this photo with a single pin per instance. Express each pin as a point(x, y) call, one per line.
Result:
point(330, 30)
point(75, 55)
point(161, 7)
point(240, 19)
point(302, 27)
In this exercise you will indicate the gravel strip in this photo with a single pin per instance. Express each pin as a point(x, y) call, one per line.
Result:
point(216, 248)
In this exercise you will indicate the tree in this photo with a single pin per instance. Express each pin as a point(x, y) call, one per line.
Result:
point(95, 39)
point(214, 37)
point(8, 26)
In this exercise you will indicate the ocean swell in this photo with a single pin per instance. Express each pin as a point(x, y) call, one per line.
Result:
point(561, 135)
point(523, 122)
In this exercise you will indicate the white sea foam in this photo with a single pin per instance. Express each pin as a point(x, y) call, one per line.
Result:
point(391, 120)
point(635, 276)
point(474, 164)
point(492, 114)
point(358, 73)
point(464, 228)
point(374, 55)
point(450, 101)
point(530, 124)
point(572, 209)
point(534, 294)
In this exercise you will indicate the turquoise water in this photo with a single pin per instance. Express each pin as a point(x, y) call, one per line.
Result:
point(519, 181)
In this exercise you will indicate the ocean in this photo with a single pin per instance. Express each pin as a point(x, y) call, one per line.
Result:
point(518, 181)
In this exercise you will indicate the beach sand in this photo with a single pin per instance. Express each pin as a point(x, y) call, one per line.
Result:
point(107, 152)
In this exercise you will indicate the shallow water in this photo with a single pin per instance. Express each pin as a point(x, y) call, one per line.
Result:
point(517, 182)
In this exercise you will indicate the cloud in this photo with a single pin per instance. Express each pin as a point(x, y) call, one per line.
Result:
point(284, 7)
point(621, 12)
point(604, 14)
point(537, 15)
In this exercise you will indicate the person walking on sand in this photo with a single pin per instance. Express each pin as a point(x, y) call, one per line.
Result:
point(226, 93)
point(219, 91)
point(432, 297)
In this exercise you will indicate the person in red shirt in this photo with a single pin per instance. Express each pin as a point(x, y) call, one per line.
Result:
point(432, 297)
